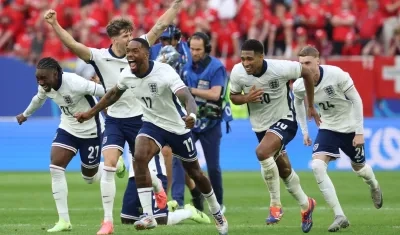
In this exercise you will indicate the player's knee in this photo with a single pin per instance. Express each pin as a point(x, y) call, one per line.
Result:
point(319, 167)
point(357, 166)
point(262, 153)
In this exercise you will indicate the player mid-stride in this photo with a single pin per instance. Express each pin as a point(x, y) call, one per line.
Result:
point(342, 127)
point(72, 94)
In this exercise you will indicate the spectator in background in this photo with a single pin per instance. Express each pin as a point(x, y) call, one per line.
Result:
point(390, 9)
point(394, 48)
point(260, 23)
point(281, 30)
point(369, 22)
point(343, 22)
point(313, 16)
point(323, 45)
point(351, 45)
point(301, 40)
point(225, 38)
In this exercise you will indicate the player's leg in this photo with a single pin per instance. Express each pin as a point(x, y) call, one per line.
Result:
point(112, 147)
point(210, 141)
point(167, 153)
point(184, 148)
point(267, 150)
point(64, 148)
point(91, 168)
point(361, 168)
point(292, 183)
point(178, 182)
point(131, 128)
point(286, 130)
point(130, 204)
point(197, 196)
point(326, 148)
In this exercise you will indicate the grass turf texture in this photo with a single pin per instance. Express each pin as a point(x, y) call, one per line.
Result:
point(27, 206)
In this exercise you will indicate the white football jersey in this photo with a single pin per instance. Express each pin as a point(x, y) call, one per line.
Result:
point(108, 67)
point(335, 109)
point(156, 93)
point(76, 94)
point(156, 164)
point(276, 102)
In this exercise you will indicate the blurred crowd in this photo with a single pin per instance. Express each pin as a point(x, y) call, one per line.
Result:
point(335, 27)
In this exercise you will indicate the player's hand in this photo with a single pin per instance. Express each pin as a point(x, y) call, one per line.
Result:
point(81, 117)
point(306, 140)
point(50, 16)
point(312, 112)
point(189, 121)
point(21, 118)
point(358, 140)
point(254, 95)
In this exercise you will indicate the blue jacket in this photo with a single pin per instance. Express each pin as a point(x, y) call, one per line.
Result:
point(204, 75)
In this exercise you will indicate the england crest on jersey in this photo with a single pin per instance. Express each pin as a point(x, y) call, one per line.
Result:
point(153, 88)
point(68, 99)
point(274, 84)
point(329, 90)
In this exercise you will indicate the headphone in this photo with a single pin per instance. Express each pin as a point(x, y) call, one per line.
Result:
point(206, 41)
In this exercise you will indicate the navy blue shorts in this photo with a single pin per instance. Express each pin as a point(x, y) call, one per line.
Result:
point(131, 207)
point(328, 143)
point(183, 146)
point(119, 130)
point(285, 129)
point(89, 149)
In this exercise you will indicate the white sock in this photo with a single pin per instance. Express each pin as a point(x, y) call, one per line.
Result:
point(107, 186)
point(156, 182)
point(178, 216)
point(270, 174)
point(145, 196)
point(326, 186)
point(368, 176)
point(293, 187)
point(60, 191)
point(212, 202)
point(96, 177)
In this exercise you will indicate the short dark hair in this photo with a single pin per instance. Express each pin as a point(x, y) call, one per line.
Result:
point(115, 26)
point(309, 50)
point(49, 63)
point(142, 41)
point(253, 45)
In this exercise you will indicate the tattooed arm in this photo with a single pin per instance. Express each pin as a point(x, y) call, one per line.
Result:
point(162, 23)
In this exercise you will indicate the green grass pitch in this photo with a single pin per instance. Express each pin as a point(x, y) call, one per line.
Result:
point(27, 206)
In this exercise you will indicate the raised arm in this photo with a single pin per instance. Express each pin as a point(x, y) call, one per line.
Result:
point(77, 48)
point(162, 23)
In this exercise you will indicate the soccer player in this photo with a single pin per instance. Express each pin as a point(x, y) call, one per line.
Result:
point(161, 93)
point(341, 111)
point(265, 84)
point(131, 207)
point(72, 94)
point(124, 118)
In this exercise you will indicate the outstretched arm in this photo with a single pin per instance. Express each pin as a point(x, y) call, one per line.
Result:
point(108, 99)
point(77, 48)
point(35, 104)
point(163, 22)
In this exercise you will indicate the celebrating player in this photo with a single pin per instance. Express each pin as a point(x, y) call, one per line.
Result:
point(124, 118)
point(265, 84)
point(161, 93)
point(72, 94)
point(342, 127)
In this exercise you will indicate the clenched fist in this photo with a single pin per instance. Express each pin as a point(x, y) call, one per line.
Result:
point(50, 16)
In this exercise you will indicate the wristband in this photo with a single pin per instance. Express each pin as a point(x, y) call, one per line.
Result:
point(193, 116)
